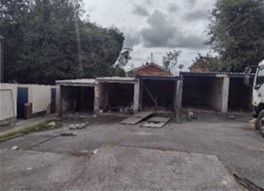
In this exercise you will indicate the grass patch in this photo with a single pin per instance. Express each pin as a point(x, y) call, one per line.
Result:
point(84, 154)
point(111, 143)
point(41, 126)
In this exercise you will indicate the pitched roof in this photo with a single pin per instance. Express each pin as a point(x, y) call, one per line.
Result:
point(150, 64)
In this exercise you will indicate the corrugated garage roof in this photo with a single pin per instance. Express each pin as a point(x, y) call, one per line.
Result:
point(116, 78)
point(214, 74)
point(76, 82)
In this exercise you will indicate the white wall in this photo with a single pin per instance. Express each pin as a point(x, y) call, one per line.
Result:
point(41, 98)
point(38, 95)
point(8, 101)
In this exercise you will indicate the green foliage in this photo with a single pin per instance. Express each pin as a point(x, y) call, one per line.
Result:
point(41, 126)
point(170, 60)
point(46, 40)
point(236, 33)
point(124, 56)
point(208, 63)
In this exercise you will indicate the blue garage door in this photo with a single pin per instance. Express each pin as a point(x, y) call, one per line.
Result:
point(22, 98)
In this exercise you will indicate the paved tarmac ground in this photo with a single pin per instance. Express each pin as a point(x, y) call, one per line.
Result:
point(239, 148)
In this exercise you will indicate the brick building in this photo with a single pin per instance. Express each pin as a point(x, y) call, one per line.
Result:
point(149, 69)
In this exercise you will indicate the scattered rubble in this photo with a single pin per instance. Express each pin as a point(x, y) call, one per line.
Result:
point(78, 126)
point(82, 153)
point(191, 115)
point(15, 148)
point(52, 124)
point(231, 117)
point(95, 151)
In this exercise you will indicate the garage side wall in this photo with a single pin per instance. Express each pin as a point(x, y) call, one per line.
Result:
point(8, 105)
point(215, 93)
point(41, 98)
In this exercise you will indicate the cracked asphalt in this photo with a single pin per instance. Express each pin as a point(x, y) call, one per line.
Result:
point(237, 146)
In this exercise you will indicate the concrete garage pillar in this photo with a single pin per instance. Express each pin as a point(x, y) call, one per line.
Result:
point(136, 96)
point(225, 94)
point(178, 95)
point(58, 99)
point(96, 98)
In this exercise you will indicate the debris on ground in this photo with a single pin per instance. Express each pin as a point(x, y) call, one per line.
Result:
point(231, 117)
point(68, 134)
point(253, 123)
point(82, 153)
point(15, 148)
point(123, 109)
point(191, 115)
point(52, 124)
point(156, 122)
point(78, 126)
point(95, 151)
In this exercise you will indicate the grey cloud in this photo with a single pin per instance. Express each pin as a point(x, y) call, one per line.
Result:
point(131, 39)
point(161, 33)
point(140, 11)
point(196, 15)
point(191, 3)
point(149, 2)
point(171, 7)
point(190, 41)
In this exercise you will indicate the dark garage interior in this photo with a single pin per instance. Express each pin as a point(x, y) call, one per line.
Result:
point(239, 95)
point(202, 92)
point(78, 99)
point(115, 96)
point(158, 94)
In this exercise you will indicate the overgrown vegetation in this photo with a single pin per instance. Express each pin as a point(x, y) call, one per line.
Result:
point(170, 60)
point(42, 126)
point(207, 63)
point(48, 40)
point(236, 33)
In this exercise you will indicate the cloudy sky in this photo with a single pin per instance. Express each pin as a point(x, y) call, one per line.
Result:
point(156, 26)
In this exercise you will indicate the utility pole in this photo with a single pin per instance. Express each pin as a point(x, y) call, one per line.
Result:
point(151, 55)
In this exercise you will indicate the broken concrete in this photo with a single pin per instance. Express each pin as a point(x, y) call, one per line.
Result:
point(124, 168)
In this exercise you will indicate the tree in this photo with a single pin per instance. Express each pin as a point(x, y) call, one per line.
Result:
point(124, 57)
point(170, 60)
point(207, 63)
point(236, 33)
point(46, 40)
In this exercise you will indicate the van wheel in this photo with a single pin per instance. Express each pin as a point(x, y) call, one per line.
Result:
point(261, 123)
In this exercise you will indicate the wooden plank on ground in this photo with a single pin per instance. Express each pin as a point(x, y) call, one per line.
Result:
point(136, 118)
point(156, 122)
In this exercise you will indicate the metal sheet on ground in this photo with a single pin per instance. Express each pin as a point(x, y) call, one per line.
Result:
point(156, 122)
point(136, 118)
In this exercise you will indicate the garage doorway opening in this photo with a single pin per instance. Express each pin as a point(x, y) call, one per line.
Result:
point(202, 93)
point(158, 94)
point(116, 96)
point(77, 99)
point(240, 95)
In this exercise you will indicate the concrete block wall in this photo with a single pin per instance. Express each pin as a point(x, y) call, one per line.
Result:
point(215, 93)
